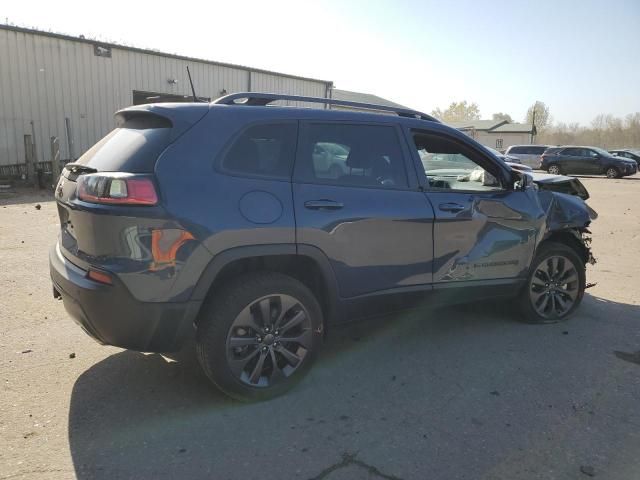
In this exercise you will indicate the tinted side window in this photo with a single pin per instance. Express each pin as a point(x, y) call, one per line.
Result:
point(572, 152)
point(265, 150)
point(355, 155)
point(537, 150)
point(516, 150)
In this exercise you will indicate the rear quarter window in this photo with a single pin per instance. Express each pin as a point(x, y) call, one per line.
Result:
point(265, 150)
point(516, 150)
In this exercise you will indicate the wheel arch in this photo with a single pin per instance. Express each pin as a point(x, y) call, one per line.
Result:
point(305, 263)
point(573, 238)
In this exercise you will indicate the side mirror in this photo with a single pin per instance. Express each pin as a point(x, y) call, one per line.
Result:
point(523, 181)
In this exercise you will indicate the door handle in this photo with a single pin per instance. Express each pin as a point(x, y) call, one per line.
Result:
point(451, 207)
point(323, 205)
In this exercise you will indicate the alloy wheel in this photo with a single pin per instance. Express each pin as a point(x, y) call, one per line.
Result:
point(554, 170)
point(612, 173)
point(269, 340)
point(554, 287)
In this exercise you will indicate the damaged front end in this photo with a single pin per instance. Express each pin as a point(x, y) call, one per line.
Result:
point(567, 220)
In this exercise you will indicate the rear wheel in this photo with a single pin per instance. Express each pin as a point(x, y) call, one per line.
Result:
point(259, 335)
point(612, 172)
point(554, 169)
point(555, 285)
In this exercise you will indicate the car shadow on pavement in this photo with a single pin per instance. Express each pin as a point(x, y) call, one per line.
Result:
point(137, 415)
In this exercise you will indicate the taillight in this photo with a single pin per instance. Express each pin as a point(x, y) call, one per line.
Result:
point(117, 188)
point(99, 277)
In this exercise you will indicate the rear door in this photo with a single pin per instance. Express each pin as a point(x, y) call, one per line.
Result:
point(535, 155)
point(584, 161)
point(483, 230)
point(570, 160)
point(366, 214)
point(530, 157)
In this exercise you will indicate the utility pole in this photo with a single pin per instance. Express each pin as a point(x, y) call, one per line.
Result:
point(533, 123)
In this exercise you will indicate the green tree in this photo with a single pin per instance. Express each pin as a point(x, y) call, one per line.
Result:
point(502, 116)
point(543, 116)
point(458, 112)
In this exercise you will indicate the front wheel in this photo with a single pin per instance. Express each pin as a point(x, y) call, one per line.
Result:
point(259, 335)
point(612, 172)
point(555, 285)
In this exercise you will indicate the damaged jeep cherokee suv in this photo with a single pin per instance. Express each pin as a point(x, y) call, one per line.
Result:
point(251, 228)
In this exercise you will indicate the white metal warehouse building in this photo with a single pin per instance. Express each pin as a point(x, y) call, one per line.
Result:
point(55, 85)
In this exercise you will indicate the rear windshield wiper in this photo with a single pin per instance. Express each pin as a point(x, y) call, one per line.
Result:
point(79, 168)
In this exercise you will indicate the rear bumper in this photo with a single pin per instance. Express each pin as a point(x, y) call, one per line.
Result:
point(112, 316)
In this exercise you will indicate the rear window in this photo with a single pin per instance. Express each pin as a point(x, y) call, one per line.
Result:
point(132, 147)
point(263, 150)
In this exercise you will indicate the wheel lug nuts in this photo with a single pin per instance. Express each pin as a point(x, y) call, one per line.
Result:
point(259, 339)
point(265, 349)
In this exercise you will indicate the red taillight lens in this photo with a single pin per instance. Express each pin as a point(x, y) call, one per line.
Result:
point(117, 188)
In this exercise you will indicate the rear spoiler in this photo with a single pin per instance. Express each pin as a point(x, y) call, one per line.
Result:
point(177, 116)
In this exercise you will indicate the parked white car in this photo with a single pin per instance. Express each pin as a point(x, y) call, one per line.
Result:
point(528, 154)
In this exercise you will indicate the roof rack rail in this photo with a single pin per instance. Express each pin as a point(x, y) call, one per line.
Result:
point(264, 99)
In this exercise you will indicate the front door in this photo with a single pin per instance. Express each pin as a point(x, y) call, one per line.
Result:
point(483, 229)
point(361, 208)
point(592, 162)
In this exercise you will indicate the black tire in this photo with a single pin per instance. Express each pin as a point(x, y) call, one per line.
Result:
point(612, 172)
point(533, 294)
point(242, 301)
point(554, 166)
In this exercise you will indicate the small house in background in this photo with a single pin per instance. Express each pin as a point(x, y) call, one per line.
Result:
point(498, 134)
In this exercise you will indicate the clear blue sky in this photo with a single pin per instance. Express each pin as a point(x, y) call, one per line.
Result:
point(581, 58)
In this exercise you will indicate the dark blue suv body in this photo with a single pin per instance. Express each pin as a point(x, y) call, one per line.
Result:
point(253, 227)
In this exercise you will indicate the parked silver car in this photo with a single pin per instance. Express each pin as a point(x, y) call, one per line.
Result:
point(528, 154)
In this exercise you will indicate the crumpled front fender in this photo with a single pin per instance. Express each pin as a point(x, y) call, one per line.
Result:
point(565, 211)
point(567, 218)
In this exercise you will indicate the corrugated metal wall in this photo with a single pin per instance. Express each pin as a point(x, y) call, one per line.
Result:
point(46, 79)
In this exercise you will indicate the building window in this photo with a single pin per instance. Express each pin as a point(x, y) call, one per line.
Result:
point(498, 143)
